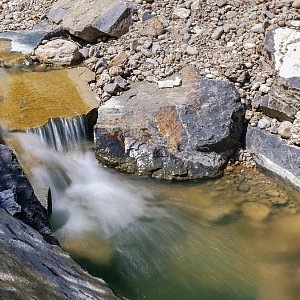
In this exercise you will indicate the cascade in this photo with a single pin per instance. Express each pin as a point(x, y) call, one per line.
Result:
point(85, 196)
point(62, 134)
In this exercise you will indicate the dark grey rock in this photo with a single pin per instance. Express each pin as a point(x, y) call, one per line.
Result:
point(13, 179)
point(180, 133)
point(8, 201)
point(93, 19)
point(274, 154)
point(33, 269)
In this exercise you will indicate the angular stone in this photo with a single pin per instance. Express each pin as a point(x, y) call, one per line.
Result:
point(274, 154)
point(217, 33)
point(152, 28)
point(182, 133)
point(58, 52)
point(94, 18)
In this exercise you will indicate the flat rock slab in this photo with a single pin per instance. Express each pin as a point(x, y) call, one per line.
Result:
point(185, 132)
point(33, 269)
point(283, 100)
point(92, 18)
point(274, 154)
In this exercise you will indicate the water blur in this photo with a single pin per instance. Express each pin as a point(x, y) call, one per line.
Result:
point(158, 240)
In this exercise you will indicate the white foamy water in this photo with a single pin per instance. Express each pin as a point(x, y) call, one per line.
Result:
point(86, 196)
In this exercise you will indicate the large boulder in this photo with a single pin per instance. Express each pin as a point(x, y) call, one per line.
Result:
point(58, 52)
point(18, 198)
point(184, 132)
point(33, 269)
point(91, 19)
point(283, 100)
point(274, 154)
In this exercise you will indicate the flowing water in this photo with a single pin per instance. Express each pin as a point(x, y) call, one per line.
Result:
point(235, 238)
point(157, 240)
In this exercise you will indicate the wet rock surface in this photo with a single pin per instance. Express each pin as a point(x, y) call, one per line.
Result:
point(93, 19)
point(17, 195)
point(180, 133)
point(33, 269)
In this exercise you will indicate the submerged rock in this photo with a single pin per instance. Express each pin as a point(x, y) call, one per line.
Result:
point(17, 195)
point(256, 211)
point(181, 133)
point(33, 269)
point(93, 18)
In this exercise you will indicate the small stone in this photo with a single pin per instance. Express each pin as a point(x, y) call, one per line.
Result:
point(221, 3)
point(119, 59)
point(258, 28)
point(244, 187)
point(263, 123)
point(191, 50)
point(152, 28)
point(285, 129)
point(111, 88)
point(249, 46)
point(256, 211)
point(181, 13)
point(217, 33)
point(169, 83)
point(264, 88)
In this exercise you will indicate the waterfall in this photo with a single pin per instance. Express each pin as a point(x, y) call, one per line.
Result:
point(63, 134)
point(85, 196)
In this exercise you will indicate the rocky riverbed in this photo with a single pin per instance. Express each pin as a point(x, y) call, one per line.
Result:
point(238, 101)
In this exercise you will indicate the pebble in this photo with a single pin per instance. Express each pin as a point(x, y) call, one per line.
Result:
point(263, 123)
point(191, 50)
point(285, 129)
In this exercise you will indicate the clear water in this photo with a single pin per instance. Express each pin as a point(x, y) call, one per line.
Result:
point(158, 240)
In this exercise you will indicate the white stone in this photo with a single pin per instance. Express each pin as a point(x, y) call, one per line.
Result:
point(163, 84)
point(191, 50)
point(249, 46)
point(263, 123)
point(287, 49)
point(285, 129)
point(181, 13)
point(230, 44)
point(295, 23)
point(58, 52)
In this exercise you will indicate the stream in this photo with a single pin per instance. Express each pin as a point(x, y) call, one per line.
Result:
point(235, 237)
